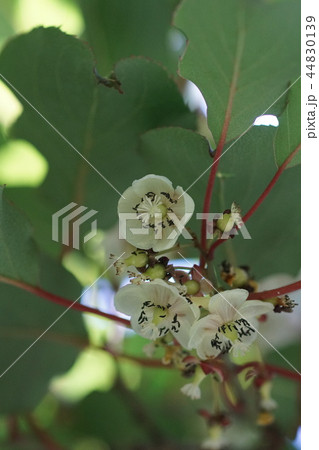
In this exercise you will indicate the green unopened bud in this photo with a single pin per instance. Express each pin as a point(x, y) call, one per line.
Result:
point(158, 271)
point(240, 277)
point(137, 259)
point(226, 223)
point(192, 287)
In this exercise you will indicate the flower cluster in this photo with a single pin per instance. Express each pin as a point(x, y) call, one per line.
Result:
point(195, 321)
point(164, 302)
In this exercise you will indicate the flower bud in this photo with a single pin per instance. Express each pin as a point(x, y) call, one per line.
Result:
point(226, 223)
point(137, 259)
point(192, 287)
point(158, 271)
point(241, 277)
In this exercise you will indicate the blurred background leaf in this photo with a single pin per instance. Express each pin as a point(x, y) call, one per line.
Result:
point(92, 399)
point(103, 125)
point(288, 136)
point(18, 255)
point(23, 318)
point(275, 227)
point(117, 30)
point(244, 172)
point(243, 36)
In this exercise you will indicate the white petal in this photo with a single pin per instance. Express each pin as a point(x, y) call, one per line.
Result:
point(185, 203)
point(152, 183)
point(128, 200)
point(129, 299)
point(208, 324)
point(182, 335)
point(192, 391)
point(167, 241)
point(149, 331)
point(205, 349)
point(186, 311)
point(142, 241)
point(240, 347)
point(161, 292)
point(226, 303)
point(254, 308)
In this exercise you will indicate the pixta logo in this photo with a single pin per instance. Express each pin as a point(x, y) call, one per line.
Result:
point(70, 225)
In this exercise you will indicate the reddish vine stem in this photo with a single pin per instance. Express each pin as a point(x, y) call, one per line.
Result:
point(271, 184)
point(275, 292)
point(13, 429)
point(157, 364)
point(145, 362)
point(286, 373)
point(62, 301)
point(260, 199)
point(42, 435)
point(220, 145)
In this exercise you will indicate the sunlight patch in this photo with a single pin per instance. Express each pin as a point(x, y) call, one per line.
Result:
point(267, 120)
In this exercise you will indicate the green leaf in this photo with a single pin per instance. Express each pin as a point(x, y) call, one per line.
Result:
point(18, 256)
point(180, 155)
point(288, 136)
point(117, 29)
point(243, 51)
point(6, 28)
point(287, 392)
point(274, 246)
point(245, 170)
point(23, 318)
point(55, 74)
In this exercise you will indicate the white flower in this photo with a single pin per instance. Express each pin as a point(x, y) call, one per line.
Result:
point(267, 403)
point(156, 309)
point(281, 330)
point(230, 326)
point(216, 440)
point(152, 213)
point(192, 390)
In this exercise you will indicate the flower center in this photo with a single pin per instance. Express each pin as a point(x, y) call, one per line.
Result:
point(159, 314)
point(238, 329)
point(150, 207)
point(229, 330)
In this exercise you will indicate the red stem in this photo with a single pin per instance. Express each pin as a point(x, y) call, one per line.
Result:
point(275, 292)
point(62, 301)
point(260, 199)
point(220, 145)
point(286, 373)
point(283, 372)
point(156, 363)
point(13, 429)
point(271, 184)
